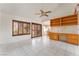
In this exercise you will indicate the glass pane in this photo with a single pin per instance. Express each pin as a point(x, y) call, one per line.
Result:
point(26, 28)
point(20, 28)
point(15, 28)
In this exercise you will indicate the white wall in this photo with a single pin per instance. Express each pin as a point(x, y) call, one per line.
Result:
point(6, 29)
point(65, 29)
point(1, 36)
point(30, 9)
point(63, 9)
point(45, 27)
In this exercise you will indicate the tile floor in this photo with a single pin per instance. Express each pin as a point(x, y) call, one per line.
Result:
point(40, 46)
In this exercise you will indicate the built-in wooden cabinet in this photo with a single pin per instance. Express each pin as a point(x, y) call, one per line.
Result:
point(53, 36)
point(68, 38)
point(72, 38)
point(69, 20)
point(64, 21)
point(55, 22)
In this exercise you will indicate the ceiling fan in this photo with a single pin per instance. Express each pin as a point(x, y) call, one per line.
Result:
point(43, 13)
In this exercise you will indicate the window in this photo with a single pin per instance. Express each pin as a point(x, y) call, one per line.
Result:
point(20, 28)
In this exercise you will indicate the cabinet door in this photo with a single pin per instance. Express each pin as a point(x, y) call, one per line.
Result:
point(53, 36)
point(72, 38)
point(69, 20)
point(55, 22)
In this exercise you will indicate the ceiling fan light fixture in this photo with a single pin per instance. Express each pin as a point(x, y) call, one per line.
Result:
point(43, 13)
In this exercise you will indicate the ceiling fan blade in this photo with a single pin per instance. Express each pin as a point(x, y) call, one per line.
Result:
point(41, 15)
point(37, 13)
point(41, 11)
point(46, 15)
point(48, 12)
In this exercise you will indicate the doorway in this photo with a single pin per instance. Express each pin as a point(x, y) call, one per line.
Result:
point(36, 30)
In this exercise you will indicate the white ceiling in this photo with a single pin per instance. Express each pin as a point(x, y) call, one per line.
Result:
point(28, 10)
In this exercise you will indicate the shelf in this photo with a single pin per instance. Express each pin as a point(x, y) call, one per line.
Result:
point(70, 22)
point(67, 20)
point(73, 23)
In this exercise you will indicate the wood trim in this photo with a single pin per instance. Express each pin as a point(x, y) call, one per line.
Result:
point(65, 16)
point(69, 16)
point(36, 23)
point(21, 21)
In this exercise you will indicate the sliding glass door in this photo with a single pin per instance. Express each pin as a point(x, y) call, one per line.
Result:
point(36, 30)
